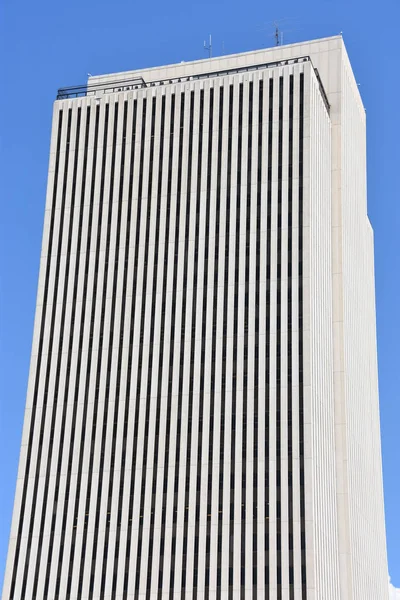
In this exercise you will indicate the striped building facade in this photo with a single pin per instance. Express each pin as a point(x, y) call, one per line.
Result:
point(202, 414)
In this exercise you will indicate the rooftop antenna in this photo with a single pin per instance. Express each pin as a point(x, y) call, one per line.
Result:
point(209, 47)
point(278, 33)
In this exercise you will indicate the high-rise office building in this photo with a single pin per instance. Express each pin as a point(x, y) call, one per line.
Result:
point(202, 414)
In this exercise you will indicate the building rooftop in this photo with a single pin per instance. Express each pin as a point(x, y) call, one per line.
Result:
point(203, 69)
point(321, 53)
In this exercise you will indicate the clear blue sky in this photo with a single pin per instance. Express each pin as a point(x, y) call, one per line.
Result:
point(45, 45)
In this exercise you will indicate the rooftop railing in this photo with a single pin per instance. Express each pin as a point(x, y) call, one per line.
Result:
point(103, 87)
point(111, 87)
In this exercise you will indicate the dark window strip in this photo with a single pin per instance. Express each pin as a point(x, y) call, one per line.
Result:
point(172, 343)
point(224, 344)
point(246, 348)
point(39, 360)
point(77, 386)
point(162, 338)
point(301, 380)
point(85, 437)
point(257, 340)
point(278, 349)
point(110, 350)
point(267, 336)
point(121, 334)
point(71, 443)
point(289, 328)
point(214, 346)
point(151, 340)
point(58, 370)
point(235, 340)
point(131, 338)
point(192, 354)
point(49, 359)
point(203, 344)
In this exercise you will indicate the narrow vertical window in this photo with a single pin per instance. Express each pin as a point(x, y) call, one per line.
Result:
point(246, 347)
point(289, 329)
point(268, 336)
point(257, 339)
point(235, 344)
point(279, 350)
point(301, 377)
point(224, 343)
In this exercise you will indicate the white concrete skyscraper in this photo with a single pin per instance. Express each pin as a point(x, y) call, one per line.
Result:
point(202, 415)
